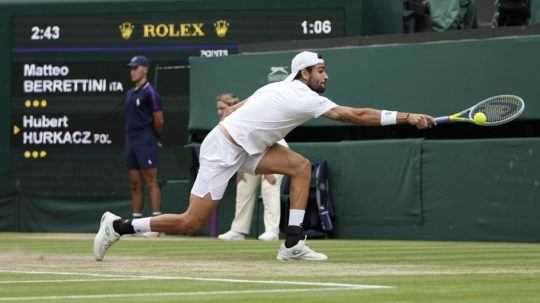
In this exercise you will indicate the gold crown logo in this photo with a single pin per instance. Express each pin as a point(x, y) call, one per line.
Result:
point(126, 29)
point(222, 26)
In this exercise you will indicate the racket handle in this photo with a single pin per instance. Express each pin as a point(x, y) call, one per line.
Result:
point(442, 120)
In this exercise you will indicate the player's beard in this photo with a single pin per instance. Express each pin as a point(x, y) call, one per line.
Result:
point(317, 88)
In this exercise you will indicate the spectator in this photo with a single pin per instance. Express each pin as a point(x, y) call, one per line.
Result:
point(453, 14)
point(416, 16)
point(511, 13)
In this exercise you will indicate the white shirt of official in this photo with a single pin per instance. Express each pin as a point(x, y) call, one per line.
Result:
point(272, 112)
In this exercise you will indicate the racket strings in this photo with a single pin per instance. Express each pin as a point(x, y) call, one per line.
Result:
point(500, 108)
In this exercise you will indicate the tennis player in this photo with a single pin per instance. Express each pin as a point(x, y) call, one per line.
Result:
point(246, 141)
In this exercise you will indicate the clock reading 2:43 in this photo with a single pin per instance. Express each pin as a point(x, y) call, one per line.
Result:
point(48, 32)
point(316, 27)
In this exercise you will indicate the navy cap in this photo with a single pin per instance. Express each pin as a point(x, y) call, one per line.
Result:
point(138, 60)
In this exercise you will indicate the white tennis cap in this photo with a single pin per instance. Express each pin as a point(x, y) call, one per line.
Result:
point(303, 60)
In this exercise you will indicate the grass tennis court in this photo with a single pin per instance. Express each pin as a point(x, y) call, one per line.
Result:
point(60, 268)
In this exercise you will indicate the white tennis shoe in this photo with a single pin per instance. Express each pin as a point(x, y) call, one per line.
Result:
point(268, 236)
point(232, 235)
point(299, 252)
point(106, 236)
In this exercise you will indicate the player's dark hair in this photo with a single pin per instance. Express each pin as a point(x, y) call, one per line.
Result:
point(299, 74)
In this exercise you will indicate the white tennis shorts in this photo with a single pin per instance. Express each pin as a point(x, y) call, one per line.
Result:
point(219, 160)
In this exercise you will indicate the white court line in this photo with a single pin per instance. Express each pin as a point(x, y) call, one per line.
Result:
point(60, 273)
point(68, 280)
point(175, 294)
point(303, 283)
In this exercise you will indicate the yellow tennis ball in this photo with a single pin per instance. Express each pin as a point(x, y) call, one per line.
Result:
point(480, 118)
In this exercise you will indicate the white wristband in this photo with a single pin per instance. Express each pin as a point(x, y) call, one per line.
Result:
point(388, 117)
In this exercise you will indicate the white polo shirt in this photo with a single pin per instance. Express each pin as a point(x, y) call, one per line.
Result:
point(272, 112)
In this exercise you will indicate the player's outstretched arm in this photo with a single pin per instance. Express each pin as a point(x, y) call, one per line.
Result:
point(373, 117)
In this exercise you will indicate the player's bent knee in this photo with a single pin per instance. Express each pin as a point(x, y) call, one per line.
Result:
point(191, 225)
point(303, 168)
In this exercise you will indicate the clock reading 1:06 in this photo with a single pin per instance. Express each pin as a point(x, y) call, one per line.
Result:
point(317, 27)
point(51, 32)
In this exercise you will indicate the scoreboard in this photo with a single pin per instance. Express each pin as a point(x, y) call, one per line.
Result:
point(69, 79)
point(220, 26)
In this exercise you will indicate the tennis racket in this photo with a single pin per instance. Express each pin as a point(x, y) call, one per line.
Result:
point(492, 111)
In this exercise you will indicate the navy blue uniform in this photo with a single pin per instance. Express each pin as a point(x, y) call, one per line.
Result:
point(141, 138)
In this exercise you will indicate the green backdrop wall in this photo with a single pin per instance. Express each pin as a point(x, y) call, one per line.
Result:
point(437, 78)
point(429, 189)
point(410, 189)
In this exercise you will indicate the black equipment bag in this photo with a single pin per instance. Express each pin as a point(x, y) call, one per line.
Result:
point(319, 221)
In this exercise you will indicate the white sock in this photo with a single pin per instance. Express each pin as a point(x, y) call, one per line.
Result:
point(136, 215)
point(156, 213)
point(296, 216)
point(141, 225)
